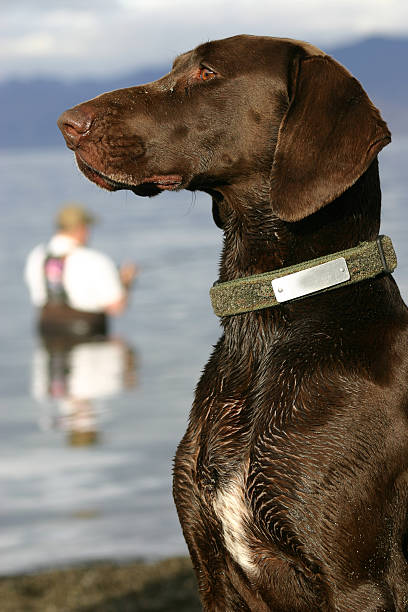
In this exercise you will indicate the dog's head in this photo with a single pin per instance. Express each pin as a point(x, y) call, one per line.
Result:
point(237, 111)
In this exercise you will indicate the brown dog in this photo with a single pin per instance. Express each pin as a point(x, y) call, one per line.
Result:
point(291, 482)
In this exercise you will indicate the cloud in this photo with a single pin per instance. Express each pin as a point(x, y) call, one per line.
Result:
point(74, 39)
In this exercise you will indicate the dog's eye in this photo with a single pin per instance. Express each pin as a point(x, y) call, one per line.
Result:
point(205, 74)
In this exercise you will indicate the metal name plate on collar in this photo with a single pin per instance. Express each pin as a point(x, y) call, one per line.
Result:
point(313, 279)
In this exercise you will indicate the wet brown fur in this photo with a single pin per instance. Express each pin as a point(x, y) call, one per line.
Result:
point(291, 481)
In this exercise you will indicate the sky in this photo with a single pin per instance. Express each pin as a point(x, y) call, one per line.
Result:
point(90, 38)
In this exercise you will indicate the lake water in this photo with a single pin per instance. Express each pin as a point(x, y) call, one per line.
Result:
point(92, 479)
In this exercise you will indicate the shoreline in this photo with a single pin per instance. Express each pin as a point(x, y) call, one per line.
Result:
point(162, 586)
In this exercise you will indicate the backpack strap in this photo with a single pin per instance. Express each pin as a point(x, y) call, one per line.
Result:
point(54, 279)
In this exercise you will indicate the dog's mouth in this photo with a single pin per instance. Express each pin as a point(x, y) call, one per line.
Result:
point(149, 186)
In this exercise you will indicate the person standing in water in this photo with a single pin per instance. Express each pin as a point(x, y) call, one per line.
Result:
point(74, 287)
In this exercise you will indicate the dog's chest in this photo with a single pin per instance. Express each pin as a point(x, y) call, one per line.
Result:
point(222, 443)
point(221, 473)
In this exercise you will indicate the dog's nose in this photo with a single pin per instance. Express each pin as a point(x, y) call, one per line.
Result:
point(75, 124)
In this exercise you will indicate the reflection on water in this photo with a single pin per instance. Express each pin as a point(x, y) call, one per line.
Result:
point(71, 376)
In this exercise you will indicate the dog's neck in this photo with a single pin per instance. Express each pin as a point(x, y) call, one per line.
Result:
point(256, 241)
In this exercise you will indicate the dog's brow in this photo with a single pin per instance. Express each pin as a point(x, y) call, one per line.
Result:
point(176, 61)
point(179, 59)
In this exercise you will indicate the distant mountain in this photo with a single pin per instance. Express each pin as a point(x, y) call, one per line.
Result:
point(30, 108)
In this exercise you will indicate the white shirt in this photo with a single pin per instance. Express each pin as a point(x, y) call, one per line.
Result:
point(91, 279)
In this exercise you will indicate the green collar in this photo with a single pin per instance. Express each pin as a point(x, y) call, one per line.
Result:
point(364, 261)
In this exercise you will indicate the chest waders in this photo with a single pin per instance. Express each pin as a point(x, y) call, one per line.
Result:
point(57, 317)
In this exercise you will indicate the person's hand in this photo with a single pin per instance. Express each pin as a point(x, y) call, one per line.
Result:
point(128, 272)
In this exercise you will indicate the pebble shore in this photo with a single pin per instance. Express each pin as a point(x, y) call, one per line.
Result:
point(165, 586)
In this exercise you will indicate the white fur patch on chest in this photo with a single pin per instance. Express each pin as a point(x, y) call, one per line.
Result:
point(232, 510)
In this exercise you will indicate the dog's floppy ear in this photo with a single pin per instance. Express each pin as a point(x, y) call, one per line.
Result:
point(328, 138)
